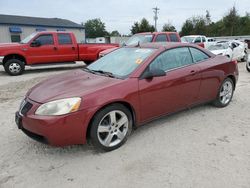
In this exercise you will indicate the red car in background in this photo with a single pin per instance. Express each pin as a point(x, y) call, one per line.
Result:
point(122, 90)
point(147, 37)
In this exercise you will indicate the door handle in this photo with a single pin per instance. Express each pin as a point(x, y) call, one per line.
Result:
point(55, 48)
point(193, 72)
point(73, 48)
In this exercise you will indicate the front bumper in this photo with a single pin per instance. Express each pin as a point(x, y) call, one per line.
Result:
point(62, 130)
point(1, 59)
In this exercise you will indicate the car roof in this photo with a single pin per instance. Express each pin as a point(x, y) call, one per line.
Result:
point(51, 32)
point(153, 33)
point(166, 45)
point(169, 45)
point(194, 36)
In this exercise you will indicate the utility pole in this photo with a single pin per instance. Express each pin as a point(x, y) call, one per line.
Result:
point(156, 11)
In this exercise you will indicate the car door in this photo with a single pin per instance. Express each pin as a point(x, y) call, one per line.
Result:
point(236, 50)
point(67, 50)
point(209, 76)
point(45, 52)
point(178, 89)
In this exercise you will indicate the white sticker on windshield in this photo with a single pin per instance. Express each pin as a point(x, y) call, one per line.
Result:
point(142, 50)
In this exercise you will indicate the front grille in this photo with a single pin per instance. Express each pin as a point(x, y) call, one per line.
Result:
point(34, 136)
point(25, 108)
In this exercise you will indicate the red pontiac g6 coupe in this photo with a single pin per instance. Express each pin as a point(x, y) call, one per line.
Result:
point(125, 89)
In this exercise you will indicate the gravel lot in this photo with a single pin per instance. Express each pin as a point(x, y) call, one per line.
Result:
point(200, 147)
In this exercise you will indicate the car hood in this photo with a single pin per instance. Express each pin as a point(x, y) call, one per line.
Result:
point(3, 45)
point(71, 84)
point(216, 52)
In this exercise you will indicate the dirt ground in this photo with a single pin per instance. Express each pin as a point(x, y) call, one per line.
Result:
point(203, 147)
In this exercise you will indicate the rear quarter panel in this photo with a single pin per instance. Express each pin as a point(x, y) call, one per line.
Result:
point(214, 72)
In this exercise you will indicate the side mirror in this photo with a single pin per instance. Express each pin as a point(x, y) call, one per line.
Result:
point(35, 43)
point(149, 74)
point(123, 44)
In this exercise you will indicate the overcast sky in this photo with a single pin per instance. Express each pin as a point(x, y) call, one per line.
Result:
point(120, 15)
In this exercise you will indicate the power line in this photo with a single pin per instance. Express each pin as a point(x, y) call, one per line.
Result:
point(156, 11)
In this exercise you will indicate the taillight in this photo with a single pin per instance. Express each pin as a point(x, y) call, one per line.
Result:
point(235, 62)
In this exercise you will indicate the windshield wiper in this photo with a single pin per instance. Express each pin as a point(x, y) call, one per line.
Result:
point(109, 74)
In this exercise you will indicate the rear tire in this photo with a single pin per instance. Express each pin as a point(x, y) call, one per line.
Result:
point(244, 59)
point(225, 93)
point(111, 127)
point(248, 65)
point(88, 62)
point(14, 67)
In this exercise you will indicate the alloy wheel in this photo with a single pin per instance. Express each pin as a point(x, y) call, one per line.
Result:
point(226, 92)
point(113, 128)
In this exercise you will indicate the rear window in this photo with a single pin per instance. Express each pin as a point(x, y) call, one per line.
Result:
point(173, 38)
point(161, 38)
point(198, 55)
point(64, 38)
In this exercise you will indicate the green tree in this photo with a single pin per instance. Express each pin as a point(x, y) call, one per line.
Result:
point(231, 24)
point(142, 26)
point(195, 25)
point(187, 28)
point(168, 27)
point(95, 28)
point(115, 34)
point(231, 21)
point(244, 25)
point(135, 28)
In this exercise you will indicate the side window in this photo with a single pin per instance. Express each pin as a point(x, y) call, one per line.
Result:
point(172, 59)
point(203, 39)
point(45, 39)
point(198, 55)
point(64, 38)
point(234, 44)
point(161, 38)
point(197, 40)
point(173, 38)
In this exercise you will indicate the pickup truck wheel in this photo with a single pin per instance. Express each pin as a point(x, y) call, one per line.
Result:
point(14, 67)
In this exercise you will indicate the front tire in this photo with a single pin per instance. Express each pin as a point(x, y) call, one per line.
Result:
point(14, 67)
point(248, 65)
point(225, 93)
point(111, 127)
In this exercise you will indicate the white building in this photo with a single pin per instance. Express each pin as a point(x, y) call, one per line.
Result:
point(15, 28)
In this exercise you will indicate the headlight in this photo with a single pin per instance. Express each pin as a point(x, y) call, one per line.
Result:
point(59, 107)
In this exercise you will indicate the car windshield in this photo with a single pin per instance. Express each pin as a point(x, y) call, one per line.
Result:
point(120, 63)
point(139, 38)
point(221, 46)
point(28, 38)
point(187, 39)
